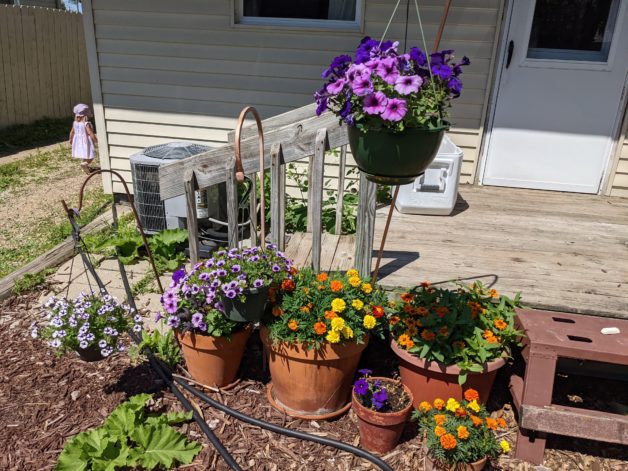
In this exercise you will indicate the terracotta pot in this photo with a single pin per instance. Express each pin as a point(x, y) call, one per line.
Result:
point(213, 361)
point(311, 383)
point(89, 354)
point(429, 380)
point(475, 466)
point(380, 431)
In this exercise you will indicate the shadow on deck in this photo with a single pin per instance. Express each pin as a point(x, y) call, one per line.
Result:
point(563, 251)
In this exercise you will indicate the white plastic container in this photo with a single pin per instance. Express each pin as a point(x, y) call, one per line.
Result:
point(435, 192)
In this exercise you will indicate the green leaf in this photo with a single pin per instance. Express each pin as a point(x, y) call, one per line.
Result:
point(162, 446)
point(462, 377)
point(73, 458)
point(173, 418)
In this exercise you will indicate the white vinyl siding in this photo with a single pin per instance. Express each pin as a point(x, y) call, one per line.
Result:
point(182, 71)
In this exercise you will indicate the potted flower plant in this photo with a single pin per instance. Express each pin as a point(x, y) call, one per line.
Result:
point(457, 435)
point(447, 338)
point(243, 278)
point(212, 345)
point(91, 325)
point(394, 104)
point(315, 336)
point(382, 406)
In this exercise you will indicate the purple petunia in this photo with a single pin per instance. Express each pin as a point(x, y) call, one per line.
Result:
point(177, 275)
point(236, 269)
point(375, 103)
point(336, 87)
point(231, 293)
point(197, 318)
point(442, 71)
point(379, 399)
point(173, 321)
point(407, 84)
point(361, 387)
point(365, 372)
point(361, 86)
point(387, 70)
point(395, 110)
point(276, 268)
point(258, 283)
point(418, 56)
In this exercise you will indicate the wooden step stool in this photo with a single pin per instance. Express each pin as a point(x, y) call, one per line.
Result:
point(550, 335)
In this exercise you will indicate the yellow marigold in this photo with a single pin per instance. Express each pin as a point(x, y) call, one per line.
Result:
point(463, 433)
point(357, 304)
point(338, 305)
point(320, 328)
point(337, 324)
point(500, 324)
point(440, 419)
point(452, 404)
point(491, 423)
point(474, 406)
point(476, 421)
point(369, 321)
point(425, 406)
point(505, 446)
point(403, 339)
point(471, 395)
point(330, 314)
point(322, 277)
point(355, 281)
point(440, 431)
point(439, 404)
point(333, 336)
point(347, 332)
point(448, 441)
point(352, 272)
point(293, 325)
point(367, 288)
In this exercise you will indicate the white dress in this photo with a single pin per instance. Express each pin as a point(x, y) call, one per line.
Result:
point(82, 145)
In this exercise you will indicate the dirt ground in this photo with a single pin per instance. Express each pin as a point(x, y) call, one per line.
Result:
point(44, 400)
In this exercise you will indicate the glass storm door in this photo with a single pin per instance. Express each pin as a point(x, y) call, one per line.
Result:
point(559, 95)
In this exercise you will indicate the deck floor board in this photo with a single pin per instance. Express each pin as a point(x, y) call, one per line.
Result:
point(564, 251)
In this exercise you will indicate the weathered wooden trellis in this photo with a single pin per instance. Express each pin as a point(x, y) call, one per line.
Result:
point(288, 137)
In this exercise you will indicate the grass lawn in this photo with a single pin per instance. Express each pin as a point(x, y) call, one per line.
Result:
point(40, 133)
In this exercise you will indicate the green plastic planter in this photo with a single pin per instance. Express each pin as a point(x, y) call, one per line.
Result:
point(250, 310)
point(394, 158)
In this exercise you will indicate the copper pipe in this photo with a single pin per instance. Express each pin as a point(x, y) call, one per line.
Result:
point(393, 201)
point(240, 168)
point(70, 214)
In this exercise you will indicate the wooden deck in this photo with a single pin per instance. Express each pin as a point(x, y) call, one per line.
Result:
point(563, 251)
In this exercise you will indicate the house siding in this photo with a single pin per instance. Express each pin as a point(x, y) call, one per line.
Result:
point(182, 71)
point(620, 179)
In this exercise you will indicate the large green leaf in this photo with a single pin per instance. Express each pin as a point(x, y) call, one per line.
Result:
point(73, 458)
point(173, 418)
point(162, 446)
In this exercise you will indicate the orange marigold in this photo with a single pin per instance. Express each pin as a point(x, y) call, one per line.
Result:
point(488, 334)
point(501, 423)
point(448, 441)
point(409, 322)
point(422, 311)
point(428, 335)
point(463, 433)
point(439, 404)
point(277, 311)
point(304, 309)
point(461, 412)
point(408, 309)
point(293, 271)
point(440, 419)
point(378, 311)
point(500, 324)
point(407, 297)
point(491, 423)
point(476, 421)
point(320, 328)
point(322, 277)
point(336, 286)
point(440, 431)
point(409, 344)
point(492, 340)
point(493, 293)
point(425, 406)
point(471, 395)
point(293, 325)
point(330, 314)
point(287, 285)
point(394, 320)
point(321, 287)
point(425, 284)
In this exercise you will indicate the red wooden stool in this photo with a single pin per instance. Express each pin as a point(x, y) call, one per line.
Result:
point(550, 335)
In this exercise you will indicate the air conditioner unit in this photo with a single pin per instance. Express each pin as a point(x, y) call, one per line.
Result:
point(155, 214)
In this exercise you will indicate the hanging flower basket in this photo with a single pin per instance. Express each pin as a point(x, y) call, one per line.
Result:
point(394, 158)
point(394, 104)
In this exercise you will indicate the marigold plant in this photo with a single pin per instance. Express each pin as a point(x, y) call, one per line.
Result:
point(321, 307)
point(454, 438)
point(467, 327)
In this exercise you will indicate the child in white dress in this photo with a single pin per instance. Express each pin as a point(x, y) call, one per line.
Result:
point(82, 137)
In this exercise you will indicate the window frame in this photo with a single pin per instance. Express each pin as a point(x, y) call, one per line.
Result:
point(239, 20)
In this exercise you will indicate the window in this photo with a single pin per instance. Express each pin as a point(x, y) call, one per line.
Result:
point(579, 30)
point(342, 14)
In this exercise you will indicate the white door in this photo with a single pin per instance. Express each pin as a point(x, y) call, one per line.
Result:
point(559, 94)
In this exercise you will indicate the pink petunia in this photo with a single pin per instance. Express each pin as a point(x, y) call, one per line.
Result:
point(407, 84)
point(362, 86)
point(395, 109)
point(375, 103)
point(387, 70)
point(336, 87)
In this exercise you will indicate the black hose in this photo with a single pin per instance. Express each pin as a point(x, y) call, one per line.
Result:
point(285, 431)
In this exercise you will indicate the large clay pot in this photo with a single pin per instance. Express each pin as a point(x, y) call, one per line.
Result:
point(394, 158)
point(250, 310)
point(380, 431)
point(475, 466)
point(213, 361)
point(311, 384)
point(429, 380)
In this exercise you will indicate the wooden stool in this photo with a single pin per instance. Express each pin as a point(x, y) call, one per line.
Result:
point(551, 335)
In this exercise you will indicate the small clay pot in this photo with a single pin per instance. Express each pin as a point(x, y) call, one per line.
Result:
point(475, 466)
point(311, 384)
point(380, 431)
point(429, 380)
point(213, 361)
point(89, 354)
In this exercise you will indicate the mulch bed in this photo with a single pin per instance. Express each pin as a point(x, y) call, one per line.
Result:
point(44, 400)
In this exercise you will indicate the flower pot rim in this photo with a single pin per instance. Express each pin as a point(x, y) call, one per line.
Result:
point(437, 366)
point(444, 127)
point(363, 411)
point(189, 337)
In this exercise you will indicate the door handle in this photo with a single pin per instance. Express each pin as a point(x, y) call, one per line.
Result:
point(511, 49)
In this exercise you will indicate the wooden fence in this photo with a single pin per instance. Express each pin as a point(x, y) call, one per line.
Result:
point(43, 64)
